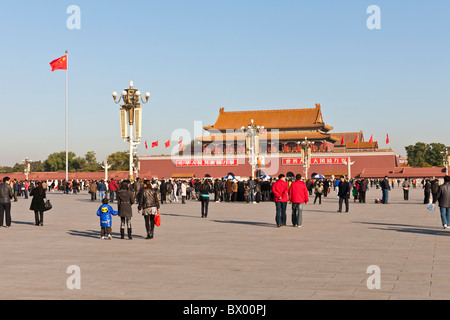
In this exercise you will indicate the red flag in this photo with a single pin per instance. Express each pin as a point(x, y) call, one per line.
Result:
point(180, 144)
point(59, 64)
point(356, 139)
point(146, 146)
point(371, 139)
point(167, 144)
point(155, 144)
point(387, 139)
point(343, 140)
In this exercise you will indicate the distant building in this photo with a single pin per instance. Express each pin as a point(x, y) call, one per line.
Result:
point(224, 148)
point(292, 126)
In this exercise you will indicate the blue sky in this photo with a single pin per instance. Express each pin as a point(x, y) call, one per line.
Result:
point(197, 56)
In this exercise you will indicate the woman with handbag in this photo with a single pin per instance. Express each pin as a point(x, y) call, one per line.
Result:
point(38, 203)
point(149, 205)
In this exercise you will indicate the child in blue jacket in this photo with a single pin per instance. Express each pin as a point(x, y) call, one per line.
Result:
point(105, 212)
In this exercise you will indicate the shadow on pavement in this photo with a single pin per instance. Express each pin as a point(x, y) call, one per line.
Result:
point(251, 223)
point(23, 222)
point(407, 228)
point(96, 234)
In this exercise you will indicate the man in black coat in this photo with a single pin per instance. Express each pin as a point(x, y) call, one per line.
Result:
point(326, 186)
point(163, 191)
point(6, 194)
point(344, 193)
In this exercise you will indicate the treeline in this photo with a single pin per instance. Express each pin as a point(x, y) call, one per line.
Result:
point(56, 162)
point(425, 154)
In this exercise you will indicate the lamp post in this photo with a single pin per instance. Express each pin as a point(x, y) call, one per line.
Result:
point(306, 155)
point(349, 164)
point(27, 169)
point(106, 166)
point(252, 133)
point(446, 160)
point(131, 115)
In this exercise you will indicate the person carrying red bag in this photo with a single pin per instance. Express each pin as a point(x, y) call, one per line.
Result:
point(149, 205)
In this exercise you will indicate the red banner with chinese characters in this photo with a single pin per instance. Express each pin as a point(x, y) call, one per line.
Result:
point(206, 163)
point(298, 161)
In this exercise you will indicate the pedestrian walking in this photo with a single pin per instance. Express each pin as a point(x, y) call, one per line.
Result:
point(184, 192)
point(113, 187)
point(406, 186)
point(363, 185)
point(280, 195)
point(298, 196)
point(336, 187)
point(105, 212)
point(443, 197)
point(6, 194)
point(38, 203)
point(434, 189)
point(385, 187)
point(205, 190)
point(229, 189)
point(355, 192)
point(149, 206)
point(427, 192)
point(234, 187)
point(93, 190)
point(125, 199)
point(15, 188)
point(252, 187)
point(136, 188)
point(247, 193)
point(101, 187)
point(343, 193)
point(318, 189)
point(326, 187)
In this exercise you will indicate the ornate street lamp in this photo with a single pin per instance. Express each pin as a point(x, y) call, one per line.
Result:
point(306, 155)
point(252, 133)
point(131, 115)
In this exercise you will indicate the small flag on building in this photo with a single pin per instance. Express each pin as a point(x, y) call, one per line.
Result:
point(167, 144)
point(155, 144)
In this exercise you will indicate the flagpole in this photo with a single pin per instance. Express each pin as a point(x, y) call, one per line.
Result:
point(67, 119)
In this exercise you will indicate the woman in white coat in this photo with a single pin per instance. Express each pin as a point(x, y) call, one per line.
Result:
point(183, 192)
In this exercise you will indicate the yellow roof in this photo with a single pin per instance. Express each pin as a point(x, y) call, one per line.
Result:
point(271, 119)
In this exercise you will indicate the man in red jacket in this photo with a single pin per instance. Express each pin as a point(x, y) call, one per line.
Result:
point(280, 191)
point(298, 195)
point(113, 187)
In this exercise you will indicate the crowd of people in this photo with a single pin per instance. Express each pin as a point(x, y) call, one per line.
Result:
point(149, 195)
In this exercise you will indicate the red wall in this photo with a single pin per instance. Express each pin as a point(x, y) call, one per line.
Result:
point(164, 167)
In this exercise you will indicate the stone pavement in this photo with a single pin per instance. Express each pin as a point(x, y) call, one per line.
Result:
point(237, 253)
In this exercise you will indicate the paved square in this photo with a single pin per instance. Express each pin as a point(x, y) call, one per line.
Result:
point(236, 253)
